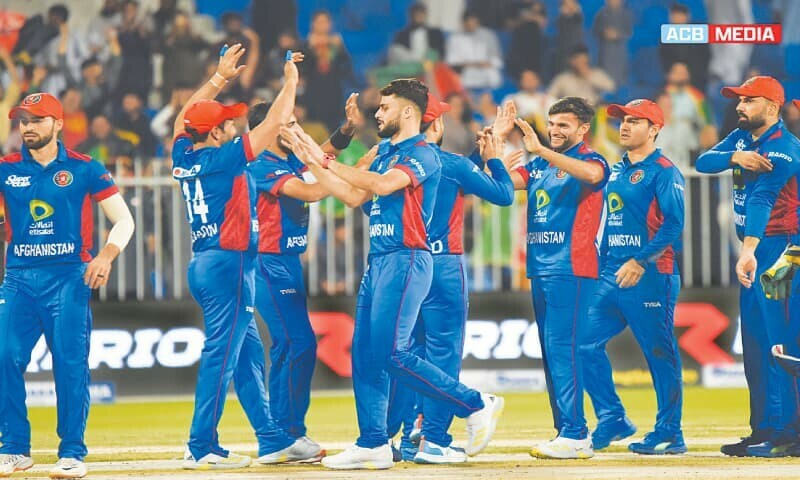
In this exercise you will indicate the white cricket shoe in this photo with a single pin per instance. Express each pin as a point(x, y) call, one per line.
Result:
point(68, 468)
point(429, 452)
point(561, 447)
point(482, 424)
point(303, 450)
point(212, 461)
point(359, 458)
point(10, 463)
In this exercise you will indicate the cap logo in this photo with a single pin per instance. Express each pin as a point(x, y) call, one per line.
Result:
point(749, 81)
point(635, 103)
point(32, 99)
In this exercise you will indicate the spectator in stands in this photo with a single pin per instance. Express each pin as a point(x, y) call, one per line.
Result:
point(185, 54)
point(136, 75)
point(133, 124)
point(730, 61)
point(236, 32)
point(315, 129)
point(570, 33)
point(494, 14)
point(581, 80)
point(110, 16)
point(62, 56)
point(695, 56)
point(417, 42)
point(8, 95)
point(270, 18)
point(475, 54)
point(98, 79)
point(445, 14)
point(36, 33)
point(613, 26)
point(528, 49)
point(676, 139)
point(459, 125)
point(105, 146)
point(531, 101)
point(327, 68)
point(76, 123)
point(163, 22)
point(689, 106)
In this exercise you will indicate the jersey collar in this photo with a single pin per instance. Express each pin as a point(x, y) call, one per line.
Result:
point(778, 125)
point(61, 156)
point(407, 143)
point(273, 157)
point(647, 160)
point(573, 149)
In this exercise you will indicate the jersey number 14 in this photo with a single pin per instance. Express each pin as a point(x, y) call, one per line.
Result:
point(195, 205)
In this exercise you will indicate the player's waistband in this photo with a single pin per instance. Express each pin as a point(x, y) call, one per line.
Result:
point(400, 252)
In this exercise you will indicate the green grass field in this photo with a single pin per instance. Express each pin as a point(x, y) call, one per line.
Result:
point(130, 432)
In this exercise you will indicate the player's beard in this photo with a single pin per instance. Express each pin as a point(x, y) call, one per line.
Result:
point(566, 145)
point(389, 129)
point(40, 141)
point(751, 123)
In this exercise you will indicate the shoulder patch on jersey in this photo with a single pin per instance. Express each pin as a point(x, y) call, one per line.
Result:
point(778, 134)
point(78, 156)
point(585, 149)
point(12, 158)
point(421, 143)
point(665, 162)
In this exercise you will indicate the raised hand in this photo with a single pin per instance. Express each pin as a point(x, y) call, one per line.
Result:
point(227, 68)
point(494, 146)
point(290, 72)
point(366, 160)
point(532, 143)
point(514, 159)
point(353, 119)
point(504, 120)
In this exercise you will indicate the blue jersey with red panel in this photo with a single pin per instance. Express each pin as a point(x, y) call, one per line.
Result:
point(48, 210)
point(766, 203)
point(564, 215)
point(644, 213)
point(461, 176)
point(220, 196)
point(400, 221)
point(282, 220)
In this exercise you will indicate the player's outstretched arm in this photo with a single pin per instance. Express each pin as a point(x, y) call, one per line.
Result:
point(317, 161)
point(265, 135)
point(116, 210)
point(227, 70)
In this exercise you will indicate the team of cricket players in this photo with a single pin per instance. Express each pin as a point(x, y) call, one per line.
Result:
point(602, 254)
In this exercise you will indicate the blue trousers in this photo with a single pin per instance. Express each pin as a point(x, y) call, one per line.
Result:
point(648, 309)
point(389, 301)
point(773, 392)
point(281, 301)
point(561, 304)
point(55, 301)
point(222, 282)
point(440, 334)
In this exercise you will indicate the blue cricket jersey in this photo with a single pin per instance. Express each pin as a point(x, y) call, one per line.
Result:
point(564, 216)
point(400, 220)
point(282, 220)
point(644, 214)
point(48, 210)
point(766, 203)
point(220, 196)
point(460, 176)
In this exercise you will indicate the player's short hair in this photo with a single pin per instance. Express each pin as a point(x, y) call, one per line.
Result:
point(579, 50)
point(59, 10)
point(576, 105)
point(409, 88)
point(679, 8)
point(417, 7)
point(196, 136)
point(469, 13)
point(257, 113)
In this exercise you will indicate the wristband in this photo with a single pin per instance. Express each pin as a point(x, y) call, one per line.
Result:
point(327, 159)
point(288, 56)
point(217, 74)
point(339, 140)
point(211, 80)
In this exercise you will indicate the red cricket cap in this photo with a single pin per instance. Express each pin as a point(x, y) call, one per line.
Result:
point(436, 109)
point(207, 114)
point(639, 108)
point(39, 105)
point(759, 86)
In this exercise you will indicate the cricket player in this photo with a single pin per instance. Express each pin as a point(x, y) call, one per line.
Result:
point(398, 192)
point(765, 159)
point(209, 161)
point(444, 311)
point(565, 203)
point(50, 272)
point(282, 207)
point(639, 280)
